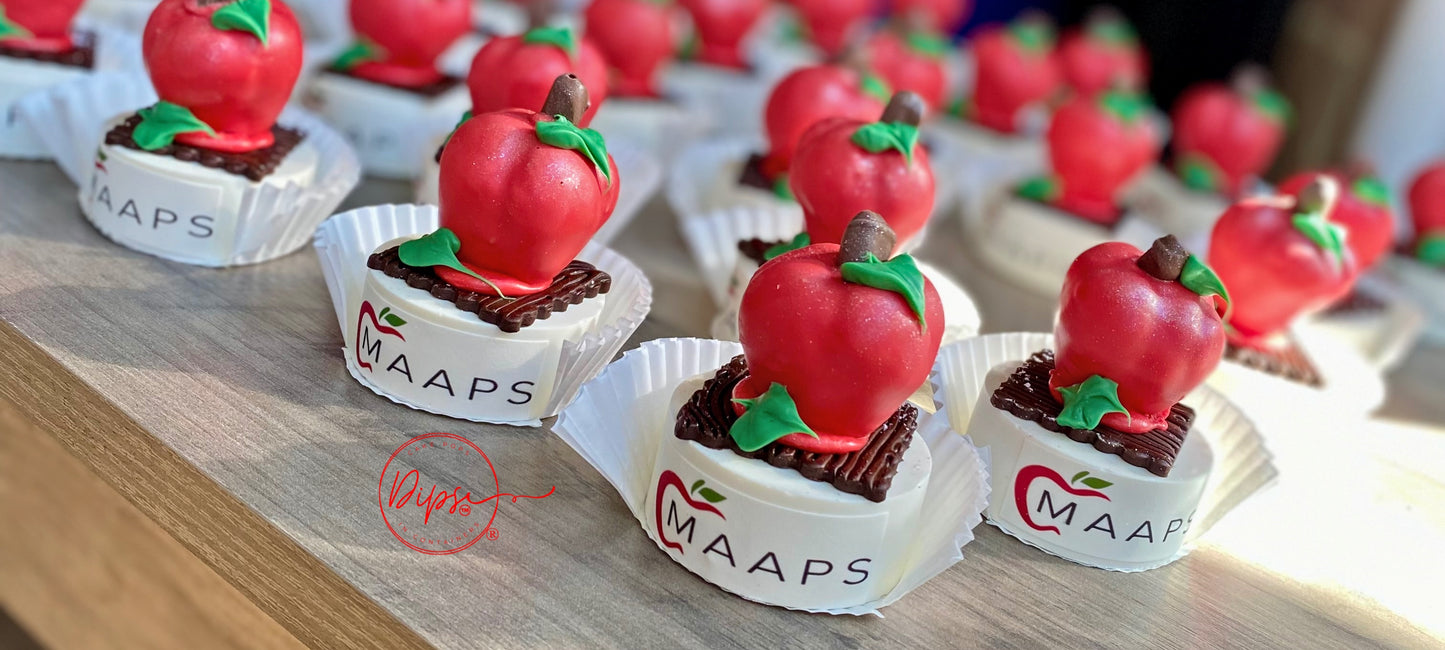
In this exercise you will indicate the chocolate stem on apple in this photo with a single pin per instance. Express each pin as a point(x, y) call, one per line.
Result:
point(1249, 79)
point(866, 233)
point(1319, 196)
point(905, 107)
point(1165, 259)
point(539, 13)
point(568, 98)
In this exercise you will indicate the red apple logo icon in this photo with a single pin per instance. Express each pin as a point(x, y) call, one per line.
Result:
point(831, 23)
point(398, 41)
point(1104, 54)
point(637, 38)
point(1282, 258)
point(721, 26)
point(912, 61)
point(1014, 68)
point(223, 71)
point(1157, 306)
point(368, 313)
point(1096, 146)
point(517, 71)
point(807, 96)
point(1026, 477)
point(836, 339)
point(38, 25)
point(521, 194)
point(1427, 211)
point(1226, 135)
point(707, 497)
point(845, 166)
point(1363, 209)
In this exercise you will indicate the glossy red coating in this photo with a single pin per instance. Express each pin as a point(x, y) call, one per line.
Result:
point(805, 97)
point(834, 179)
point(636, 37)
point(410, 35)
point(509, 73)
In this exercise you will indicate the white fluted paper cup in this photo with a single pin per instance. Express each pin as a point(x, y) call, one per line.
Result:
point(704, 178)
point(344, 243)
point(1242, 466)
point(1426, 286)
point(1352, 388)
point(22, 80)
point(618, 425)
point(732, 100)
point(660, 127)
point(639, 170)
point(1383, 333)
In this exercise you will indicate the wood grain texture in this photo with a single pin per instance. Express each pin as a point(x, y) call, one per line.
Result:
point(240, 373)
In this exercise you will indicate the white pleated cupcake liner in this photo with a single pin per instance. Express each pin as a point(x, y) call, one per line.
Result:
point(1242, 464)
point(732, 100)
point(618, 421)
point(274, 220)
point(1383, 336)
point(345, 241)
point(660, 127)
point(1426, 287)
point(962, 319)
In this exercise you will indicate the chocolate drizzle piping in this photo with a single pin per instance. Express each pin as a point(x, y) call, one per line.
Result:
point(1289, 362)
point(578, 282)
point(80, 56)
point(430, 91)
point(253, 165)
point(1026, 395)
point(708, 415)
point(756, 249)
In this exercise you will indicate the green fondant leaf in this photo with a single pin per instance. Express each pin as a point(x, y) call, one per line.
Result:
point(927, 44)
point(562, 133)
point(1199, 173)
point(1086, 403)
point(782, 189)
point(1330, 237)
point(899, 275)
point(1097, 483)
point(253, 16)
point(1078, 476)
point(1273, 105)
point(697, 484)
point(1431, 249)
point(162, 122)
point(689, 48)
point(360, 52)
point(768, 418)
point(1199, 278)
point(800, 240)
point(465, 116)
point(1124, 105)
point(439, 249)
point(561, 37)
point(875, 87)
point(1371, 190)
point(1043, 189)
point(1032, 35)
point(711, 496)
point(961, 108)
point(1115, 32)
point(12, 29)
point(878, 137)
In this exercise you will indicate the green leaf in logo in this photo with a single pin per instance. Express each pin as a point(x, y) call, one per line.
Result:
point(253, 16)
point(878, 137)
point(557, 36)
point(1086, 403)
point(560, 132)
point(768, 417)
point(711, 496)
point(1078, 476)
point(360, 52)
point(439, 249)
point(800, 240)
point(1199, 278)
point(390, 318)
point(695, 486)
point(12, 29)
point(162, 122)
point(899, 275)
point(1096, 483)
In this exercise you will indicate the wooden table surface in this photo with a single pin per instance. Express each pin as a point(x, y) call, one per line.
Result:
point(186, 462)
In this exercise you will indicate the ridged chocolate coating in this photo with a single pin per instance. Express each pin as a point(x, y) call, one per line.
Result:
point(1290, 363)
point(1026, 395)
point(254, 165)
point(708, 416)
point(431, 90)
point(578, 282)
point(80, 56)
